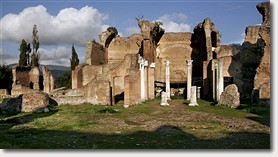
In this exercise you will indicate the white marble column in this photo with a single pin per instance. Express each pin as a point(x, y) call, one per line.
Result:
point(189, 78)
point(214, 78)
point(193, 99)
point(220, 79)
point(142, 63)
point(198, 92)
point(168, 92)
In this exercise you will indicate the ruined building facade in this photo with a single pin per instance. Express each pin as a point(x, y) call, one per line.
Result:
point(133, 68)
point(27, 79)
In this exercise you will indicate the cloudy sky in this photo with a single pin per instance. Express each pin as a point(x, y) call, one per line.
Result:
point(62, 23)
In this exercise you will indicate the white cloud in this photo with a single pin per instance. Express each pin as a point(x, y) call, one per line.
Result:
point(55, 54)
point(240, 41)
point(70, 25)
point(174, 22)
point(60, 55)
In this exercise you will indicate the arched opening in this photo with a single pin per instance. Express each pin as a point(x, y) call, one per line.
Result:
point(31, 85)
point(214, 55)
point(213, 39)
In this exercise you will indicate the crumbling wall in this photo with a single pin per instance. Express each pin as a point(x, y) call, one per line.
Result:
point(48, 80)
point(98, 90)
point(152, 33)
point(252, 34)
point(3, 92)
point(77, 77)
point(132, 87)
point(21, 75)
point(95, 53)
point(117, 75)
point(34, 76)
point(176, 48)
point(83, 74)
point(132, 83)
point(206, 45)
point(231, 66)
point(121, 46)
point(262, 77)
point(89, 72)
point(254, 58)
point(25, 79)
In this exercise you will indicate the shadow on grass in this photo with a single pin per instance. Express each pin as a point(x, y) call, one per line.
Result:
point(9, 120)
point(164, 137)
point(262, 111)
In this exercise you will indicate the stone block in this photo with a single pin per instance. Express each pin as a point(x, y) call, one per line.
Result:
point(36, 101)
point(230, 97)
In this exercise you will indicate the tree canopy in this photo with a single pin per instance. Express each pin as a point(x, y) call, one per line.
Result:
point(36, 44)
point(74, 61)
point(23, 53)
point(6, 78)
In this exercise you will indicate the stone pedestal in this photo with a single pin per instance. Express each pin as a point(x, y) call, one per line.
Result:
point(193, 99)
point(189, 78)
point(164, 99)
point(168, 79)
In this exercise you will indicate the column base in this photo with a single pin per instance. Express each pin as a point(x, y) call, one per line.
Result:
point(193, 104)
point(164, 104)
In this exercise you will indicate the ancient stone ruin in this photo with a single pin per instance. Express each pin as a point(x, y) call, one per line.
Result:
point(134, 68)
point(29, 91)
point(230, 96)
point(139, 67)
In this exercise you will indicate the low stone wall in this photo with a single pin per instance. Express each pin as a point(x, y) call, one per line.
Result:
point(72, 100)
point(3, 92)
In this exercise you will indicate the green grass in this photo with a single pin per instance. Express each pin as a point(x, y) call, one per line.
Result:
point(1, 100)
point(143, 126)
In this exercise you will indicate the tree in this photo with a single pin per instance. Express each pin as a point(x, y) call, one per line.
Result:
point(6, 77)
point(36, 45)
point(114, 30)
point(74, 61)
point(64, 80)
point(23, 54)
point(29, 50)
point(35, 60)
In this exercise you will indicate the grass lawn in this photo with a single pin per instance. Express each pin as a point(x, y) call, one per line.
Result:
point(143, 126)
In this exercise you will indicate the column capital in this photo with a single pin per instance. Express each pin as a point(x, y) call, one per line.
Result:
point(142, 62)
point(189, 62)
point(152, 65)
point(167, 62)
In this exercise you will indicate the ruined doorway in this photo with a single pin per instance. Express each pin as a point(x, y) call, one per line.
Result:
point(213, 39)
point(31, 85)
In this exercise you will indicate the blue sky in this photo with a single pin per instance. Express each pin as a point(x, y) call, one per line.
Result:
point(63, 23)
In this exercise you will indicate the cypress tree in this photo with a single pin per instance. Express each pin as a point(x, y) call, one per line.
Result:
point(36, 44)
point(74, 61)
point(23, 54)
